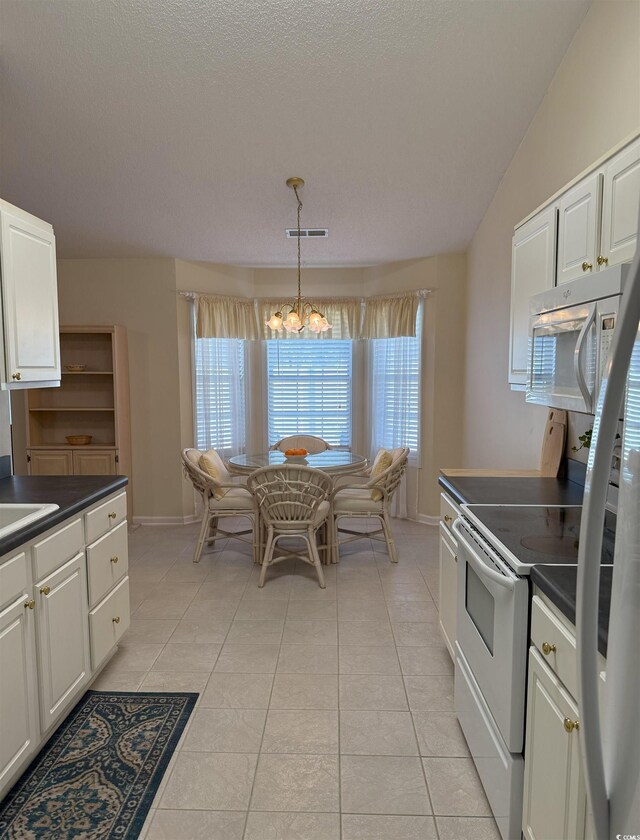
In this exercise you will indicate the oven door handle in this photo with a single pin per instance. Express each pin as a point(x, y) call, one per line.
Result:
point(578, 360)
point(476, 563)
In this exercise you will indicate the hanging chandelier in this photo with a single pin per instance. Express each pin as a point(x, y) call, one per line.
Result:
point(297, 315)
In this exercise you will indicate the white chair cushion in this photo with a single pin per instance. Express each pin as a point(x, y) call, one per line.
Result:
point(321, 513)
point(355, 501)
point(238, 498)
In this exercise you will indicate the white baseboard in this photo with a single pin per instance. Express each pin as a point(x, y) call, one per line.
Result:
point(165, 520)
point(428, 520)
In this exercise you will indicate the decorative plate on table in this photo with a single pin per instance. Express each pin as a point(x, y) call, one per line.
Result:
point(296, 459)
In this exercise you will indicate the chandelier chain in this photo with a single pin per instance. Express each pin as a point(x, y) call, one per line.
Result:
point(295, 189)
point(301, 313)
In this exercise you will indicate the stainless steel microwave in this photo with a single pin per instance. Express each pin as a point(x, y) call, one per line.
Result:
point(570, 332)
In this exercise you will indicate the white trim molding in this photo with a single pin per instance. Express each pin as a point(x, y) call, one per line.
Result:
point(165, 520)
point(425, 519)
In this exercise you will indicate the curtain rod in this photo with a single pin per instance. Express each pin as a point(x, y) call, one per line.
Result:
point(421, 293)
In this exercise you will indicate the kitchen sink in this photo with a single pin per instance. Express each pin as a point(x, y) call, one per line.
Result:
point(14, 517)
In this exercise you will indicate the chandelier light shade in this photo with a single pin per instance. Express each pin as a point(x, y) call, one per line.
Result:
point(300, 313)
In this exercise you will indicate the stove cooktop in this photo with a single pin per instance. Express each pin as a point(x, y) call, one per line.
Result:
point(535, 534)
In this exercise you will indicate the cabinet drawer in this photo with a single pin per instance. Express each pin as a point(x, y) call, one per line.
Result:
point(14, 578)
point(56, 549)
point(108, 621)
point(107, 562)
point(105, 517)
point(449, 512)
point(548, 631)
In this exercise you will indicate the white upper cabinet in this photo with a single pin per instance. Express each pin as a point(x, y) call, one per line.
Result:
point(620, 207)
point(533, 270)
point(29, 301)
point(579, 229)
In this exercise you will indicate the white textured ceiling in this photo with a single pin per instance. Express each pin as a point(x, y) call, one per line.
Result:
point(168, 127)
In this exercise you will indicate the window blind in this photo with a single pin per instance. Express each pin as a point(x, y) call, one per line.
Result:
point(220, 394)
point(395, 390)
point(309, 390)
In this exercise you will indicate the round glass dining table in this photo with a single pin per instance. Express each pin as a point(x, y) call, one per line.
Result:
point(332, 461)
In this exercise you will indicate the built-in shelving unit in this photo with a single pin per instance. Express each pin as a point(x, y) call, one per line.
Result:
point(94, 401)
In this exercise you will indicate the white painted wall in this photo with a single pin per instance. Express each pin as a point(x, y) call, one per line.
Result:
point(592, 104)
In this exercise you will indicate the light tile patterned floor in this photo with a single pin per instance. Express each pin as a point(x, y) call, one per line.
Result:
point(323, 714)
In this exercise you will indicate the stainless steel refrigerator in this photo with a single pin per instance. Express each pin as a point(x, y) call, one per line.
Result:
point(610, 724)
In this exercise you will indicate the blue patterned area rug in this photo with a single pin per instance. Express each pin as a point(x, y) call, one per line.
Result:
point(97, 776)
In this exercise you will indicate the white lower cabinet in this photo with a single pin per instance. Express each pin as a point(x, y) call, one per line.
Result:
point(47, 631)
point(63, 637)
point(448, 589)
point(19, 729)
point(555, 799)
point(555, 803)
point(448, 585)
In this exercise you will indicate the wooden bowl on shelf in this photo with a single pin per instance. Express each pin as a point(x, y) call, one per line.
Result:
point(78, 440)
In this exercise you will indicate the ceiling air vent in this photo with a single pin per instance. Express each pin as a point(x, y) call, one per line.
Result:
point(317, 233)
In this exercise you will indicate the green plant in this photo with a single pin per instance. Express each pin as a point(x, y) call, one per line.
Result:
point(585, 441)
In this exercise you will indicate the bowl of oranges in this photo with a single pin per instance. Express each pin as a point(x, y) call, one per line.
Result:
point(296, 455)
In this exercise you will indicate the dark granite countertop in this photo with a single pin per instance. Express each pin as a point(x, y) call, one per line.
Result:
point(71, 493)
point(524, 490)
point(559, 584)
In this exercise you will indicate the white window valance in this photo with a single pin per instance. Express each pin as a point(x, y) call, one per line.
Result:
point(383, 316)
point(392, 316)
point(344, 314)
point(225, 317)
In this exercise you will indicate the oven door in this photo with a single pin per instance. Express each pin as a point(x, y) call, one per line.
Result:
point(492, 626)
point(563, 358)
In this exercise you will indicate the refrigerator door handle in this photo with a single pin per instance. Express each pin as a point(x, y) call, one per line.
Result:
point(590, 547)
point(578, 360)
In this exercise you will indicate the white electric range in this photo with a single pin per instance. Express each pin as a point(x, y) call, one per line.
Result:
point(497, 546)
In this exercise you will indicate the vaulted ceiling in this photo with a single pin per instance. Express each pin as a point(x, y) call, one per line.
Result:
point(169, 127)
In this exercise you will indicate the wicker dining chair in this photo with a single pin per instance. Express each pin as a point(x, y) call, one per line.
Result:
point(369, 497)
point(311, 443)
point(220, 497)
point(293, 502)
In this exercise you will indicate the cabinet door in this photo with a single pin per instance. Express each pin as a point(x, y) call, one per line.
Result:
point(50, 462)
point(29, 301)
point(554, 793)
point(579, 229)
point(620, 204)
point(63, 637)
point(94, 463)
point(19, 731)
point(448, 583)
point(533, 270)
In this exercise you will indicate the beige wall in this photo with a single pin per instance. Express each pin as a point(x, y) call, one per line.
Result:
point(5, 424)
point(316, 282)
point(140, 295)
point(592, 104)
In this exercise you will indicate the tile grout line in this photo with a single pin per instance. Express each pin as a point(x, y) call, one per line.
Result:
point(264, 727)
point(415, 733)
